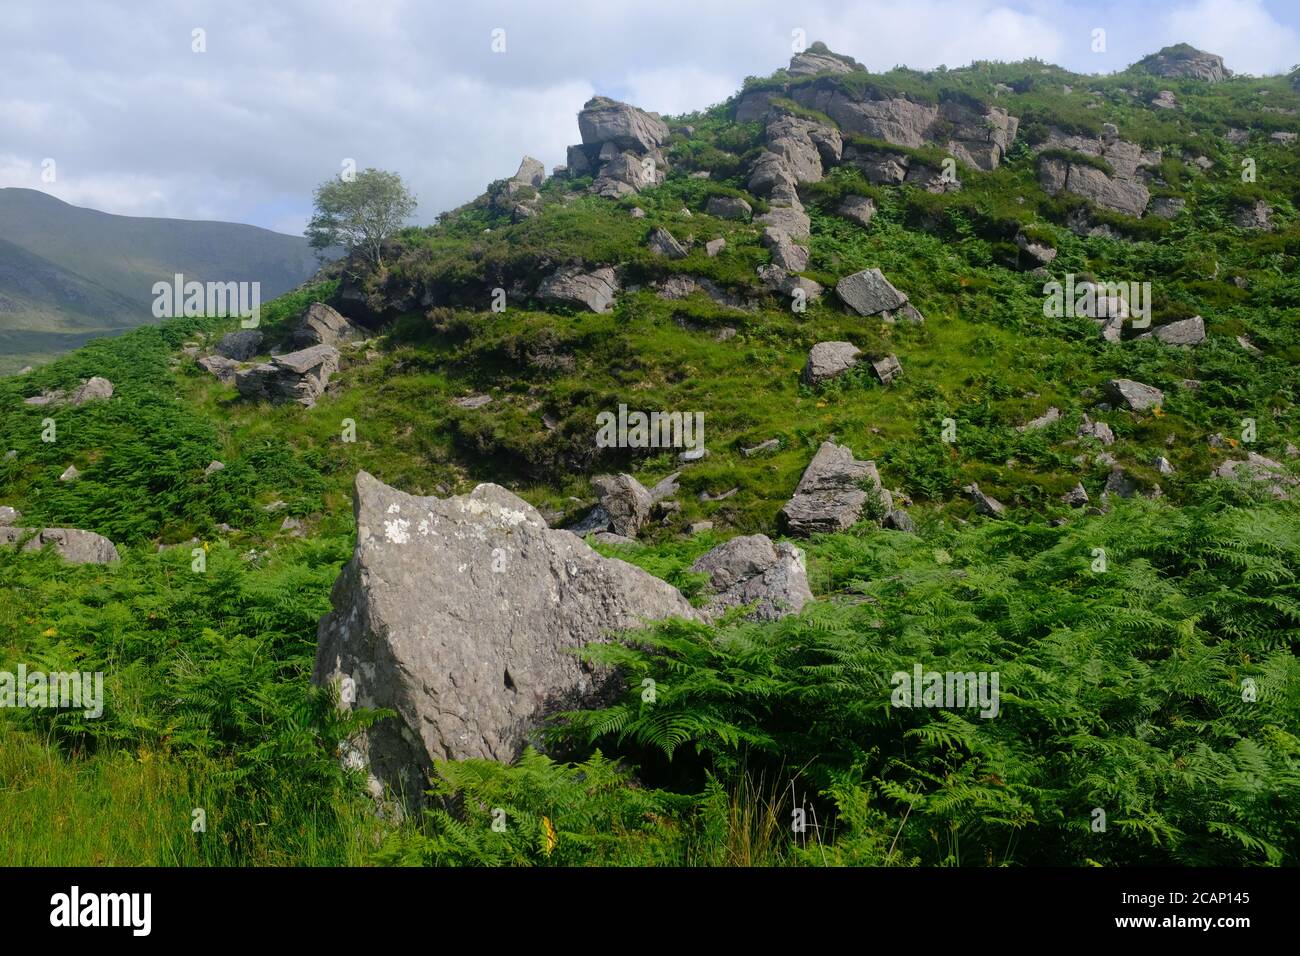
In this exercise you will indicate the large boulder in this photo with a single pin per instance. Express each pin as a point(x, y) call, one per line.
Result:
point(296, 377)
point(750, 570)
point(73, 544)
point(662, 243)
point(323, 325)
point(604, 120)
point(461, 615)
point(574, 286)
point(830, 496)
point(220, 366)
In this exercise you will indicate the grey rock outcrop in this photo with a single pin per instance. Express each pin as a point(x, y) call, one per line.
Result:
point(604, 120)
point(461, 615)
point(750, 570)
point(1122, 190)
point(296, 377)
point(620, 148)
point(1184, 60)
point(574, 286)
point(1258, 215)
point(1098, 430)
point(73, 544)
point(9, 516)
point(830, 496)
point(818, 59)
point(531, 172)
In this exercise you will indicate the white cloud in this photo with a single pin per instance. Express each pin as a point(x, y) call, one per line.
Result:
point(1243, 32)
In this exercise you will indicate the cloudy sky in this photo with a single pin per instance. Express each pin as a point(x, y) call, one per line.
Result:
point(139, 123)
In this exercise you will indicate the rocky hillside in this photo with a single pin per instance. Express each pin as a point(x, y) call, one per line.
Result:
point(990, 369)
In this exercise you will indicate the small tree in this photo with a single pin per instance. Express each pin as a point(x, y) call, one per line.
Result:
point(360, 213)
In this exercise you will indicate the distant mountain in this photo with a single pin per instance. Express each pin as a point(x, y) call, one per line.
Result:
point(68, 274)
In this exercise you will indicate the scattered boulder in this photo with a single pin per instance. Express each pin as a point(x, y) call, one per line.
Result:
point(662, 243)
point(1260, 470)
point(298, 376)
point(472, 401)
point(899, 520)
point(984, 504)
point(829, 496)
point(1258, 215)
point(786, 253)
point(859, 209)
point(531, 172)
point(9, 516)
point(241, 345)
point(887, 369)
point(1163, 465)
point(626, 500)
point(1076, 497)
point(1098, 430)
point(1040, 253)
point(70, 474)
point(714, 246)
point(220, 366)
point(462, 615)
point(95, 389)
point(1182, 332)
point(1167, 207)
point(214, 466)
point(1042, 421)
point(323, 325)
point(772, 444)
point(50, 397)
point(829, 359)
point(1165, 100)
point(73, 545)
point(728, 207)
point(1134, 395)
point(750, 570)
point(572, 286)
point(869, 293)
point(1119, 484)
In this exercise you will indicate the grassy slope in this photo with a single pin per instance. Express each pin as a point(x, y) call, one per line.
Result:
point(186, 656)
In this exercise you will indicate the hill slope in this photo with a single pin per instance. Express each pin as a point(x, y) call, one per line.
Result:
point(1146, 639)
point(91, 273)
